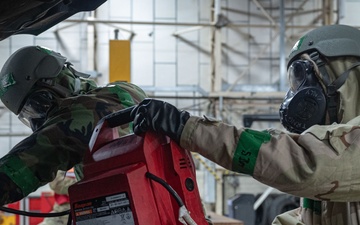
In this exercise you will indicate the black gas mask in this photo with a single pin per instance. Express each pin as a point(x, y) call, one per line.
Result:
point(305, 103)
point(34, 112)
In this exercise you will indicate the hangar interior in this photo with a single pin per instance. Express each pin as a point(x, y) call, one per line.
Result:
point(221, 58)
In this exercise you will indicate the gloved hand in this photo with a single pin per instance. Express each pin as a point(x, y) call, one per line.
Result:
point(9, 191)
point(159, 116)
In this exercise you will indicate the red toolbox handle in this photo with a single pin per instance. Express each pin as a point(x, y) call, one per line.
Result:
point(120, 117)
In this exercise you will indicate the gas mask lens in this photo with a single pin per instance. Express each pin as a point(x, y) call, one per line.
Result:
point(34, 112)
point(298, 72)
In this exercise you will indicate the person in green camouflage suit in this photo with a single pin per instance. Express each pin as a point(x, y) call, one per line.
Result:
point(318, 159)
point(62, 107)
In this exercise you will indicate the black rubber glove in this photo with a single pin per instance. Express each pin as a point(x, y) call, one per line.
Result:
point(9, 191)
point(159, 116)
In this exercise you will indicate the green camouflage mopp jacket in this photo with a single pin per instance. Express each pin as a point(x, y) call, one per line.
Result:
point(62, 141)
point(321, 165)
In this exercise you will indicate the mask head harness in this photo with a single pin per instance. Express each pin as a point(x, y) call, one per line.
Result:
point(307, 102)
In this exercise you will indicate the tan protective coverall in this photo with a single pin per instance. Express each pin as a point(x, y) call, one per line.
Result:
point(320, 164)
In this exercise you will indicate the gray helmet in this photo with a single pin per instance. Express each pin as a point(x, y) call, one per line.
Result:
point(23, 69)
point(329, 41)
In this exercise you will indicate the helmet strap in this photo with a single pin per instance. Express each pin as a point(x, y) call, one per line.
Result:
point(331, 95)
point(315, 56)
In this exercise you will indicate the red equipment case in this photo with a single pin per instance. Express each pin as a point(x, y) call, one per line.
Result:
point(117, 189)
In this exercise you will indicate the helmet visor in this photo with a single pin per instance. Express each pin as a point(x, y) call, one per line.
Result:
point(34, 112)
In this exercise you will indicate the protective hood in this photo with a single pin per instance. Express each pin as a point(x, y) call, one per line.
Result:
point(36, 16)
point(349, 92)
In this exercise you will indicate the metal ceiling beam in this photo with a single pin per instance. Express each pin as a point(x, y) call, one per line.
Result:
point(97, 21)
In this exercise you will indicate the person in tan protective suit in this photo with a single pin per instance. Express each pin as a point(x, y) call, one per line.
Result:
point(318, 159)
point(60, 185)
